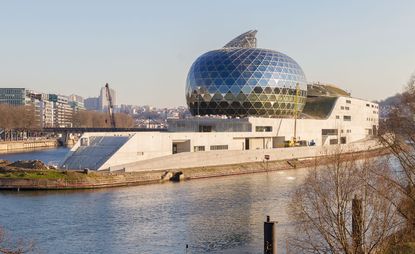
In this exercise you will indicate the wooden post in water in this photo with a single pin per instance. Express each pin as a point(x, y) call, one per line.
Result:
point(270, 238)
point(357, 225)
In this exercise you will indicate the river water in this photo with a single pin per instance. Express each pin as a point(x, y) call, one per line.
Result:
point(216, 215)
point(52, 155)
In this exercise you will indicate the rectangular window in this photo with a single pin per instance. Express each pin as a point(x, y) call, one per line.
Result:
point(263, 128)
point(342, 108)
point(348, 101)
point(337, 117)
point(347, 118)
point(219, 147)
point(205, 128)
point(326, 132)
point(199, 148)
point(367, 105)
point(347, 108)
point(334, 141)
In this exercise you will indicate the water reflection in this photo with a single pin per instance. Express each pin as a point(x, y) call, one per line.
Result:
point(52, 155)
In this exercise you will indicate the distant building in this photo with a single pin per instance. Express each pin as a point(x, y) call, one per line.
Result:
point(43, 109)
point(103, 100)
point(250, 105)
point(47, 114)
point(76, 106)
point(14, 96)
point(77, 98)
point(91, 103)
point(76, 102)
point(62, 110)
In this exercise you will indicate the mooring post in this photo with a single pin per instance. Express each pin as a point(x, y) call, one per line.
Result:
point(270, 238)
point(357, 224)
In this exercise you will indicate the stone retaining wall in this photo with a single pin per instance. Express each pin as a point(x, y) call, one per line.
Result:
point(115, 179)
point(229, 157)
point(12, 146)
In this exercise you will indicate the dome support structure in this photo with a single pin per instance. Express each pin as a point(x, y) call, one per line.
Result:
point(245, 40)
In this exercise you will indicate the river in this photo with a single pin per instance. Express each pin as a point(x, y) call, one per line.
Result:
point(216, 215)
point(50, 155)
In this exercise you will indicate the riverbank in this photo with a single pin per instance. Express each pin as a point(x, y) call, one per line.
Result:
point(22, 145)
point(19, 178)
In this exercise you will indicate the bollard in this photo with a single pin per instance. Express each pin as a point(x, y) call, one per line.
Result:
point(270, 238)
point(357, 225)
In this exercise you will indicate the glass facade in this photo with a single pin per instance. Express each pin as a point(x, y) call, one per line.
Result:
point(243, 81)
point(13, 96)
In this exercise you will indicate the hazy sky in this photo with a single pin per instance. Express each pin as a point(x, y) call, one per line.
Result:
point(144, 48)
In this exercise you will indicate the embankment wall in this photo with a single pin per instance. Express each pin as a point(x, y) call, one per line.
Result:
point(115, 179)
point(229, 157)
point(12, 146)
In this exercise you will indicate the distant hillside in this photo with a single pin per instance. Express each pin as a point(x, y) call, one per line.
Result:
point(387, 104)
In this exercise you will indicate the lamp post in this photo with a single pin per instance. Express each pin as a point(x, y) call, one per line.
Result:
point(198, 100)
point(198, 105)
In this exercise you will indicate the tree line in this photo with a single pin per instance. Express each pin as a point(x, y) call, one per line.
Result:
point(18, 117)
point(26, 118)
point(101, 120)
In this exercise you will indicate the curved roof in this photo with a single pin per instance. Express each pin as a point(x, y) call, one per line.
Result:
point(318, 107)
point(245, 40)
point(330, 90)
point(245, 82)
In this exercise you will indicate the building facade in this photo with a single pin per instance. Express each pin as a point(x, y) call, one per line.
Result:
point(76, 102)
point(245, 81)
point(255, 103)
point(91, 104)
point(103, 100)
point(14, 96)
point(62, 111)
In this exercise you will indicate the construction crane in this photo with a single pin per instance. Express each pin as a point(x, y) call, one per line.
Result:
point(110, 106)
point(296, 101)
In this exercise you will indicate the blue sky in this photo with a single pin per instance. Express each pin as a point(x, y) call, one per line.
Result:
point(144, 48)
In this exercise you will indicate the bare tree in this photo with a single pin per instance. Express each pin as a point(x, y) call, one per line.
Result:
point(398, 135)
point(322, 209)
point(100, 119)
point(18, 118)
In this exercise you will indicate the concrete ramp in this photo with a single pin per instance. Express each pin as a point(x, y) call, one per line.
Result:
point(95, 153)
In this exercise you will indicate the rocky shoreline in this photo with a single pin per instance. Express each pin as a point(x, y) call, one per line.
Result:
point(35, 175)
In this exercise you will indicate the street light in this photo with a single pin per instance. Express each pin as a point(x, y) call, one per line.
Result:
point(198, 100)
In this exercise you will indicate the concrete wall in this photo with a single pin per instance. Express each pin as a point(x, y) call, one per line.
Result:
point(143, 146)
point(363, 118)
point(228, 157)
point(26, 144)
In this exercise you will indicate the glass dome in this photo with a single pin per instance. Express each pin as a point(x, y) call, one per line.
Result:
point(243, 81)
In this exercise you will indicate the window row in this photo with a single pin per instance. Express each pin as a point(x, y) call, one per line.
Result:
point(212, 148)
point(373, 106)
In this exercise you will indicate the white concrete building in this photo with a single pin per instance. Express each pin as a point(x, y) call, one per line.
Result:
point(349, 120)
point(270, 110)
